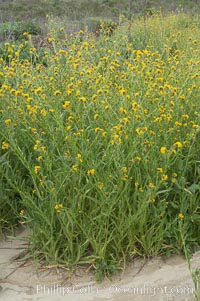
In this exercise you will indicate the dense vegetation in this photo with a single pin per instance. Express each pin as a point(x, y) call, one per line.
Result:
point(100, 138)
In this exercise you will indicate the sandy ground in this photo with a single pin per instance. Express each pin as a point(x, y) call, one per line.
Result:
point(157, 279)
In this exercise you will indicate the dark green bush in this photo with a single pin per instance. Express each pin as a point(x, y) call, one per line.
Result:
point(99, 25)
point(15, 30)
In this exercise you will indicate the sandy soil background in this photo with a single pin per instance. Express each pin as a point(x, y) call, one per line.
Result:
point(157, 279)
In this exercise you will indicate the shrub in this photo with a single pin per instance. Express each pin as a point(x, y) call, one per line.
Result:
point(15, 30)
point(99, 25)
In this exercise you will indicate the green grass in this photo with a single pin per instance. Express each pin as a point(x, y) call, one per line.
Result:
point(100, 141)
point(196, 281)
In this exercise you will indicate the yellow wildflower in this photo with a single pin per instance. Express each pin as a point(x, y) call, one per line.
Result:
point(125, 120)
point(43, 148)
point(83, 99)
point(7, 121)
point(163, 150)
point(36, 145)
point(178, 144)
point(125, 170)
point(57, 92)
point(164, 177)
point(86, 44)
point(91, 172)
point(137, 159)
point(43, 112)
point(122, 110)
point(177, 123)
point(139, 131)
point(38, 90)
point(75, 167)
point(37, 169)
point(22, 212)
point(195, 126)
point(100, 185)
point(66, 104)
point(58, 208)
point(96, 116)
point(173, 180)
point(5, 145)
point(98, 130)
point(79, 157)
point(68, 128)
point(181, 216)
